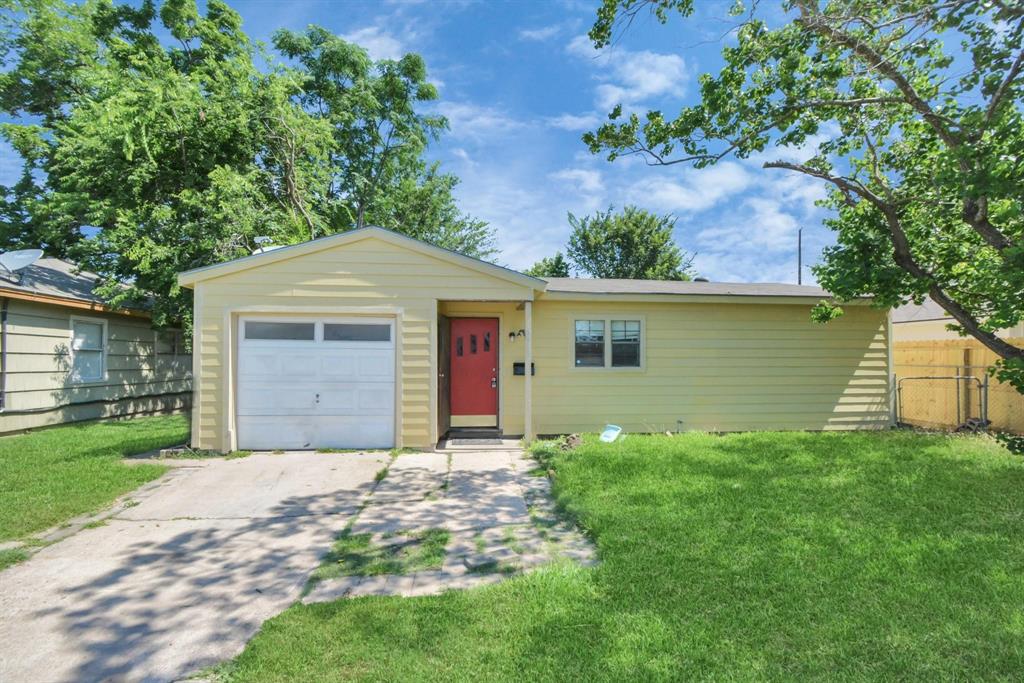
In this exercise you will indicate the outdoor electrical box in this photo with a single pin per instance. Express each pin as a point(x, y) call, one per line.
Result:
point(520, 369)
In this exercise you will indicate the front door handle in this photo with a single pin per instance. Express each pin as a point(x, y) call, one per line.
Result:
point(494, 383)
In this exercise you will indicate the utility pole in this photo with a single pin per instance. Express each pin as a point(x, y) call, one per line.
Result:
point(800, 256)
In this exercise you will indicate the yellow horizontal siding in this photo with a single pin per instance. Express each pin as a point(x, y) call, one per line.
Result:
point(367, 273)
point(716, 367)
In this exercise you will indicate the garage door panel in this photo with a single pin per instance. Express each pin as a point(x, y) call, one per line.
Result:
point(338, 366)
point(378, 365)
point(365, 431)
point(315, 393)
point(294, 365)
point(268, 398)
point(257, 364)
point(269, 432)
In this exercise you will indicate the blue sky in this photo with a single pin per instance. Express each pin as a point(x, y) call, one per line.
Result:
point(520, 83)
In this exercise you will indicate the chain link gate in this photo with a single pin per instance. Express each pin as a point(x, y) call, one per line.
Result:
point(957, 400)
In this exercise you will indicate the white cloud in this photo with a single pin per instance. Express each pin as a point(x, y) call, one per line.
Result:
point(694, 191)
point(463, 156)
point(541, 33)
point(377, 42)
point(762, 225)
point(475, 122)
point(574, 122)
point(584, 180)
point(631, 78)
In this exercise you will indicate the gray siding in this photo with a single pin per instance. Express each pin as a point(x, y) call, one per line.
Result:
point(145, 372)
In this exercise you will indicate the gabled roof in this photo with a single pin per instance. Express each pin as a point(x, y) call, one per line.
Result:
point(191, 277)
point(612, 286)
point(59, 282)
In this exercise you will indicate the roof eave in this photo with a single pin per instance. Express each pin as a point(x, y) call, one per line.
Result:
point(191, 277)
point(805, 299)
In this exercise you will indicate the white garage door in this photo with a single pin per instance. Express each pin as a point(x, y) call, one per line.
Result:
point(316, 383)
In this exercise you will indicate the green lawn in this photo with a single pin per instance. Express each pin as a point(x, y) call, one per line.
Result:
point(884, 556)
point(49, 476)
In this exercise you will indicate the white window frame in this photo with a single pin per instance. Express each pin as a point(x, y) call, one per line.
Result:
point(105, 349)
point(608, 318)
point(318, 330)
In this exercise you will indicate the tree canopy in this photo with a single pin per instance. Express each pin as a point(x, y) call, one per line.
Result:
point(631, 244)
point(910, 111)
point(550, 266)
point(143, 159)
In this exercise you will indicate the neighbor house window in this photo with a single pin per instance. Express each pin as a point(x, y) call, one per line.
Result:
point(608, 343)
point(88, 341)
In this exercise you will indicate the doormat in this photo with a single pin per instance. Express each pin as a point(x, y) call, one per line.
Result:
point(475, 442)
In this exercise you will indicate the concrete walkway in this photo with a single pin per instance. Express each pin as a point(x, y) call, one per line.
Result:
point(500, 518)
point(184, 575)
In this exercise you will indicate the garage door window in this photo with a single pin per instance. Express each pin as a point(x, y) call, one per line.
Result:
point(357, 332)
point(288, 331)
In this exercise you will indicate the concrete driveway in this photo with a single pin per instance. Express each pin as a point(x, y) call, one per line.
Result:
point(185, 577)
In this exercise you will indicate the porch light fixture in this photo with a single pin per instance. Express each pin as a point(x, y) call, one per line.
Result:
point(515, 333)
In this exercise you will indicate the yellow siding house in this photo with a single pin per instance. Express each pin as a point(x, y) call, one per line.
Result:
point(373, 339)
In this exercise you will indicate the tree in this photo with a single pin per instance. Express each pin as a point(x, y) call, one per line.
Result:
point(634, 244)
point(145, 157)
point(151, 159)
point(550, 266)
point(912, 113)
point(377, 172)
point(423, 206)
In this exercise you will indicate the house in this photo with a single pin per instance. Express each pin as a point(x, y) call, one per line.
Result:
point(928, 321)
point(66, 356)
point(943, 377)
point(372, 339)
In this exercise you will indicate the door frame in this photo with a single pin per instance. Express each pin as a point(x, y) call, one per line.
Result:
point(444, 372)
point(499, 318)
point(230, 349)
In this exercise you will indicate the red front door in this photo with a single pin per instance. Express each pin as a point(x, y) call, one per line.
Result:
point(474, 372)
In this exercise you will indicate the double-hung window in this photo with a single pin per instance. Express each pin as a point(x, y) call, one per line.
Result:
point(608, 342)
point(88, 350)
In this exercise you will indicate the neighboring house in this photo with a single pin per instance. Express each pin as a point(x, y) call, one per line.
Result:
point(928, 321)
point(943, 376)
point(66, 356)
point(370, 338)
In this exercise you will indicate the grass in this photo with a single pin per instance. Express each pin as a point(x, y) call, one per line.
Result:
point(11, 556)
point(857, 556)
point(52, 475)
point(403, 553)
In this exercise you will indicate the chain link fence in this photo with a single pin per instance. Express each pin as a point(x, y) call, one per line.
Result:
point(956, 397)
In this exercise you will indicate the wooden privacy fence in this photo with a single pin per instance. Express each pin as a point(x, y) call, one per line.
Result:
point(944, 384)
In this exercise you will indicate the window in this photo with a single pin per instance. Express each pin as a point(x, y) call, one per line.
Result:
point(589, 343)
point(472, 343)
point(625, 343)
point(591, 350)
point(88, 339)
point(359, 332)
point(458, 346)
point(169, 343)
point(280, 331)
